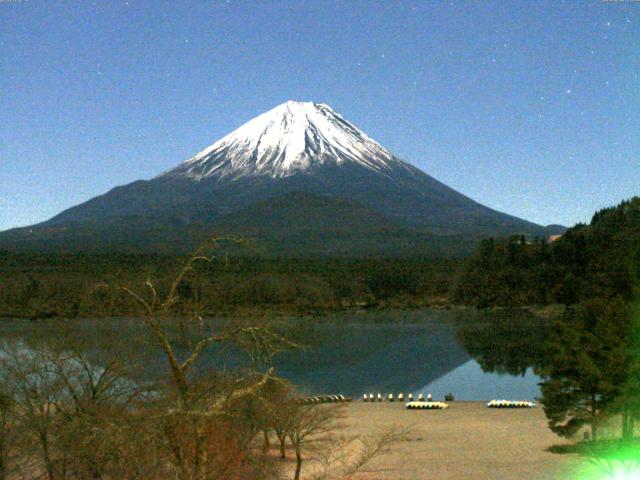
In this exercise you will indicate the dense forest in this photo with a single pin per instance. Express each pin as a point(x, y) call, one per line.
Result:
point(86, 285)
point(596, 260)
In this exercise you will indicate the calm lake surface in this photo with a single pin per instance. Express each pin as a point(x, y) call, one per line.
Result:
point(474, 356)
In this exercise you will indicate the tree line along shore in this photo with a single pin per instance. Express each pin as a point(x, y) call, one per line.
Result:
point(77, 285)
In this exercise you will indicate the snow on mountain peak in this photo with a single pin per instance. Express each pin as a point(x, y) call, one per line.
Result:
point(290, 138)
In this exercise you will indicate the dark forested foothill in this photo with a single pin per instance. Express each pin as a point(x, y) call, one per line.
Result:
point(599, 259)
point(77, 285)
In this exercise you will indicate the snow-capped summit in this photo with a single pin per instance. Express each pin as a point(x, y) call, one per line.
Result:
point(291, 138)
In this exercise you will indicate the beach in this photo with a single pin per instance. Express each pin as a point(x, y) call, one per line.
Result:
point(465, 441)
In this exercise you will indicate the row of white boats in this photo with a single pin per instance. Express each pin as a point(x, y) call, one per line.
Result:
point(492, 404)
point(510, 404)
point(421, 403)
point(390, 397)
point(428, 403)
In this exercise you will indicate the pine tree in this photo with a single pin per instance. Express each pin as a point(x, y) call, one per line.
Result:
point(627, 404)
point(588, 365)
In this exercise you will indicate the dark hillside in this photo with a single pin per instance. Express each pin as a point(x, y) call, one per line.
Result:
point(596, 260)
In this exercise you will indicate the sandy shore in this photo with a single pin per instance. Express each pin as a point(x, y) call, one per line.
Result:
point(466, 441)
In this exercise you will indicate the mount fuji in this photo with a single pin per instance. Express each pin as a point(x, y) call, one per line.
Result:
point(300, 180)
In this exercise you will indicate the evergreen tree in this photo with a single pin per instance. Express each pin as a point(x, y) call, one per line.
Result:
point(588, 365)
point(627, 404)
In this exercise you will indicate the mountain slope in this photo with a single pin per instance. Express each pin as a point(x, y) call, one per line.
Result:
point(294, 148)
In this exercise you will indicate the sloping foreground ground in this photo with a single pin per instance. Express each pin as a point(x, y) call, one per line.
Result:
point(466, 442)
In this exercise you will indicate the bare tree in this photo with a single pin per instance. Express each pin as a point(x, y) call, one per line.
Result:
point(37, 390)
point(314, 431)
point(96, 401)
point(198, 412)
point(310, 426)
point(7, 429)
point(349, 456)
point(259, 343)
point(277, 399)
point(66, 405)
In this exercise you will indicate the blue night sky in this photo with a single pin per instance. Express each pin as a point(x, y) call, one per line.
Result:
point(532, 108)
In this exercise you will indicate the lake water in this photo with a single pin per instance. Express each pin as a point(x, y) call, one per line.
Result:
point(473, 356)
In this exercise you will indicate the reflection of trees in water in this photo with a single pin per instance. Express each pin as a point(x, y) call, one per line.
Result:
point(349, 353)
point(506, 341)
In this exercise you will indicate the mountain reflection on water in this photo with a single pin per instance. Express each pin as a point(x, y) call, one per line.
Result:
point(375, 358)
point(473, 355)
